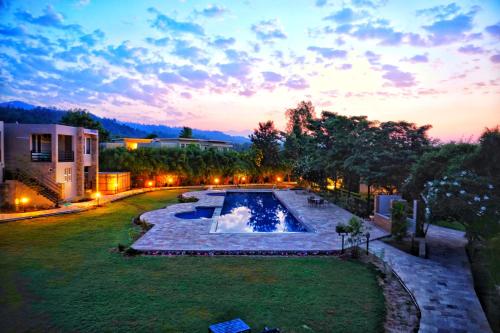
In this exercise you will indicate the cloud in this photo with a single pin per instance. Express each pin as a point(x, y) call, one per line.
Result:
point(471, 49)
point(221, 42)
point(494, 30)
point(345, 67)
point(158, 42)
point(9, 31)
point(269, 30)
point(170, 78)
point(369, 3)
point(297, 83)
point(186, 95)
point(446, 31)
point(344, 15)
point(328, 53)
point(93, 38)
point(185, 50)
point(165, 23)
point(418, 58)
point(398, 78)
point(237, 70)
point(320, 3)
point(272, 77)
point(192, 74)
point(51, 18)
point(211, 11)
point(124, 54)
point(372, 57)
point(440, 12)
point(495, 59)
point(386, 35)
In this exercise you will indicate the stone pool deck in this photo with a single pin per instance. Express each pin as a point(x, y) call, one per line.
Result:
point(171, 235)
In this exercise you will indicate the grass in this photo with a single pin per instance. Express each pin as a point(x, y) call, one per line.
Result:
point(450, 224)
point(62, 274)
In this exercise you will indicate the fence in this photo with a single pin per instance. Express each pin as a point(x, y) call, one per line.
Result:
point(352, 201)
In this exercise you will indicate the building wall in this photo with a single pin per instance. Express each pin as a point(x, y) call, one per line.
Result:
point(17, 190)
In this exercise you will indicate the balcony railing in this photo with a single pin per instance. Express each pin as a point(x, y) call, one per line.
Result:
point(45, 156)
point(66, 156)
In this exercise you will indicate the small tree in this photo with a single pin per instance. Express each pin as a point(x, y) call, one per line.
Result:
point(82, 118)
point(356, 233)
point(399, 214)
point(186, 132)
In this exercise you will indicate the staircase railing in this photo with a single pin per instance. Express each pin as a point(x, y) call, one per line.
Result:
point(42, 185)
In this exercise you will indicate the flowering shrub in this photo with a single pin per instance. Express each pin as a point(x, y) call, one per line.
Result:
point(464, 197)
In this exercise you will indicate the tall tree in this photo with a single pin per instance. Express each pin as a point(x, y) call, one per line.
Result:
point(266, 147)
point(82, 118)
point(186, 132)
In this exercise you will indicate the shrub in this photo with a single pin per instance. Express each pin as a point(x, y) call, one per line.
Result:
point(341, 228)
point(356, 230)
point(183, 199)
point(398, 218)
point(121, 247)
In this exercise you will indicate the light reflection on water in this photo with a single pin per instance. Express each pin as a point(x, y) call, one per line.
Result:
point(255, 212)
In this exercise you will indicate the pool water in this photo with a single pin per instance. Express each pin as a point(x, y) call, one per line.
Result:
point(200, 212)
point(256, 212)
point(217, 194)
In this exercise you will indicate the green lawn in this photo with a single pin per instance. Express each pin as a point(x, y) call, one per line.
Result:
point(61, 273)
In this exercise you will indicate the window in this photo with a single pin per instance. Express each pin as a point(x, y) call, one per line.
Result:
point(67, 175)
point(88, 146)
point(40, 143)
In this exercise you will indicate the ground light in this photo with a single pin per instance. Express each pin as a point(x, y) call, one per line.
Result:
point(278, 179)
point(97, 197)
point(150, 184)
point(216, 181)
point(24, 201)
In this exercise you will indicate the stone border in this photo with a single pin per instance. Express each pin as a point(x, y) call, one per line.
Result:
point(176, 236)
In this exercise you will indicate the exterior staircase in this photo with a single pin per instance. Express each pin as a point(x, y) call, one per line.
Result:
point(42, 186)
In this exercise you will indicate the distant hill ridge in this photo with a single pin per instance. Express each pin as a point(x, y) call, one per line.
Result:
point(22, 112)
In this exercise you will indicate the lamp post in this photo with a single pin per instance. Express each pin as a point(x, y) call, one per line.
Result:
point(367, 241)
point(150, 185)
point(216, 181)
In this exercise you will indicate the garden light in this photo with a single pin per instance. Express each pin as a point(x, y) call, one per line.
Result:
point(150, 183)
point(216, 180)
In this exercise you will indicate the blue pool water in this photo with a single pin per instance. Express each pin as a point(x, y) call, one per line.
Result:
point(256, 212)
point(200, 212)
point(217, 194)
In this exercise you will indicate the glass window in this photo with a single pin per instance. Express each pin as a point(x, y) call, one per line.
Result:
point(88, 146)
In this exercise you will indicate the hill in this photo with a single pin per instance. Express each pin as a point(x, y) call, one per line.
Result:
point(17, 111)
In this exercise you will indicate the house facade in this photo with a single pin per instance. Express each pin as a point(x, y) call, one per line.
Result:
point(55, 161)
point(185, 142)
point(134, 143)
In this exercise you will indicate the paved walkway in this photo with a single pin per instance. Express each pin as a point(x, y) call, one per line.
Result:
point(171, 234)
point(78, 206)
point(442, 285)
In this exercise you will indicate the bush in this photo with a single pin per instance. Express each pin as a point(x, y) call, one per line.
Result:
point(356, 230)
point(183, 199)
point(341, 228)
point(398, 218)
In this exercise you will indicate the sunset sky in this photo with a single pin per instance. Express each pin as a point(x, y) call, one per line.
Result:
point(227, 65)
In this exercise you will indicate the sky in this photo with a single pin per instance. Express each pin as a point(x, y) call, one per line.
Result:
point(226, 65)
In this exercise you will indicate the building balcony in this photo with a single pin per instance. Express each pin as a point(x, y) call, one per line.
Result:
point(45, 156)
point(66, 156)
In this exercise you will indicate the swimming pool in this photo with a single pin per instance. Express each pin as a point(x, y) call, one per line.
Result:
point(200, 212)
point(248, 212)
